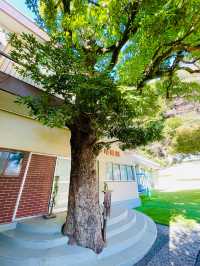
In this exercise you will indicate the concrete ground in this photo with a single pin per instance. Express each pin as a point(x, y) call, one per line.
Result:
point(176, 245)
point(183, 176)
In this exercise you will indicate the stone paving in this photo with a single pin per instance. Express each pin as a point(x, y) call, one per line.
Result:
point(176, 245)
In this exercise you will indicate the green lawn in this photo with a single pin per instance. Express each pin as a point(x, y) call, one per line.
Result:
point(163, 207)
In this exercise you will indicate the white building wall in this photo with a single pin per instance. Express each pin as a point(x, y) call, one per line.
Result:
point(121, 190)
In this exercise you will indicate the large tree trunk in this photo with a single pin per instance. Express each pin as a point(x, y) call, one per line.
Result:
point(83, 222)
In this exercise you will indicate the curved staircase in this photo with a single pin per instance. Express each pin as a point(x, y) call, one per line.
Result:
point(38, 242)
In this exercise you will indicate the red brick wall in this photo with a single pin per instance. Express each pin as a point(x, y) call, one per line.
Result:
point(9, 188)
point(37, 188)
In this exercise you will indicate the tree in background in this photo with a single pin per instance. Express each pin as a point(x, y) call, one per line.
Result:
point(187, 140)
point(97, 62)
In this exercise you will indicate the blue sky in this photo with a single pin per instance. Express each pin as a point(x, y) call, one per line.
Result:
point(20, 5)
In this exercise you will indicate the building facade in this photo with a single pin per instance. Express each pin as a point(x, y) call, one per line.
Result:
point(31, 154)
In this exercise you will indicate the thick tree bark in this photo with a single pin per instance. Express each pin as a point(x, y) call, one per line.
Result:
point(83, 223)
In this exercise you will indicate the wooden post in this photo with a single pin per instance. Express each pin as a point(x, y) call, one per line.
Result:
point(106, 209)
point(52, 200)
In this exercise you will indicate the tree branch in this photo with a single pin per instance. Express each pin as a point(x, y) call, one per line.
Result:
point(116, 48)
point(58, 3)
point(190, 62)
point(176, 45)
point(102, 143)
point(179, 40)
point(188, 69)
point(66, 6)
point(151, 69)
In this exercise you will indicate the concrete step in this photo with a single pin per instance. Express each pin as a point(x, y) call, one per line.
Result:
point(45, 234)
point(117, 215)
point(134, 253)
point(45, 240)
point(13, 255)
point(40, 225)
point(120, 226)
point(126, 238)
point(127, 246)
point(34, 241)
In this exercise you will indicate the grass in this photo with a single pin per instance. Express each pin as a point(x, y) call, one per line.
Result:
point(164, 207)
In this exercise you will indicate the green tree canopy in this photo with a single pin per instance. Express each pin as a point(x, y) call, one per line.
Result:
point(187, 140)
point(140, 39)
point(112, 111)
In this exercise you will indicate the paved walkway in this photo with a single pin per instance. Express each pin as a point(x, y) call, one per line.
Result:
point(177, 245)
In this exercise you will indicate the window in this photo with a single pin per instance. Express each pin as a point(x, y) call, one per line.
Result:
point(142, 171)
point(130, 173)
point(109, 171)
point(133, 171)
point(116, 172)
point(123, 169)
point(137, 170)
point(10, 163)
point(3, 39)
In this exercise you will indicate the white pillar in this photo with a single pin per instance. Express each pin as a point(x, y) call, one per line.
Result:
point(22, 186)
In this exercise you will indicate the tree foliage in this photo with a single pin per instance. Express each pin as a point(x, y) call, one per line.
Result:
point(93, 50)
point(112, 111)
point(171, 126)
point(187, 140)
point(145, 40)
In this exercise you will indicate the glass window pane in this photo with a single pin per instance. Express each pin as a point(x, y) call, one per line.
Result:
point(116, 172)
point(129, 171)
point(3, 161)
point(137, 169)
point(109, 171)
point(142, 171)
point(133, 171)
point(124, 176)
point(3, 38)
point(14, 163)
